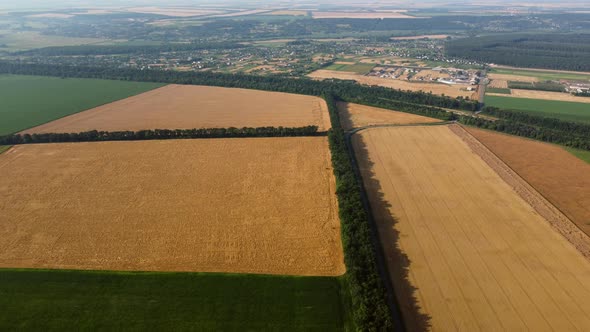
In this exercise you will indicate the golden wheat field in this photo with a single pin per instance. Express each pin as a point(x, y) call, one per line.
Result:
point(251, 205)
point(192, 106)
point(465, 251)
point(356, 116)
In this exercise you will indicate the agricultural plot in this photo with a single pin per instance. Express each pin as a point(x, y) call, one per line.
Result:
point(41, 300)
point(562, 178)
point(252, 205)
point(356, 116)
point(464, 250)
point(29, 101)
point(358, 68)
point(564, 110)
point(190, 106)
point(435, 88)
point(543, 75)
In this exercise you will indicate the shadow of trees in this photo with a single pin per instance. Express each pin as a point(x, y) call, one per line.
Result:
point(395, 264)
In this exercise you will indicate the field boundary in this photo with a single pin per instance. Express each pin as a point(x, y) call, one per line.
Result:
point(161, 134)
point(555, 217)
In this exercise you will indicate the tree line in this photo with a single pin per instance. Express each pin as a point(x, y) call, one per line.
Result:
point(160, 134)
point(370, 310)
point(276, 83)
point(543, 50)
point(127, 49)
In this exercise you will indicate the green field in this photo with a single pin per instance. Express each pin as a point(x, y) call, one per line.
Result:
point(54, 300)
point(582, 154)
point(359, 68)
point(4, 148)
point(543, 75)
point(498, 90)
point(28, 101)
point(564, 110)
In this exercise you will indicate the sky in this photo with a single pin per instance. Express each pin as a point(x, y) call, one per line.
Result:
point(61, 4)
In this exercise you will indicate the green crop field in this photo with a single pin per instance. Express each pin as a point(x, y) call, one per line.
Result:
point(564, 110)
point(28, 101)
point(54, 300)
point(359, 68)
point(582, 154)
point(543, 75)
point(498, 90)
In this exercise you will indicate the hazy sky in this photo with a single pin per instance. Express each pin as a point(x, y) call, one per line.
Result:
point(48, 4)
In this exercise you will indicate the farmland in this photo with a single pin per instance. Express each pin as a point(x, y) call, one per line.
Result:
point(187, 107)
point(261, 205)
point(57, 300)
point(543, 75)
point(28, 101)
point(358, 68)
point(435, 88)
point(456, 261)
point(559, 176)
point(536, 94)
point(356, 116)
point(582, 154)
point(565, 110)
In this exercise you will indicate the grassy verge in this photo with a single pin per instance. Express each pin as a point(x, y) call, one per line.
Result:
point(564, 110)
point(4, 148)
point(29, 101)
point(582, 154)
point(46, 300)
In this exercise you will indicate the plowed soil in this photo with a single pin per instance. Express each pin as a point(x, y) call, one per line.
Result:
point(465, 251)
point(191, 106)
point(558, 175)
point(356, 116)
point(252, 205)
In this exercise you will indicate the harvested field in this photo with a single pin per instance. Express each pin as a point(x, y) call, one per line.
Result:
point(508, 77)
point(343, 14)
point(547, 95)
point(289, 12)
point(559, 176)
point(252, 205)
point(191, 106)
point(499, 84)
point(356, 116)
point(465, 251)
point(420, 37)
point(174, 12)
point(435, 88)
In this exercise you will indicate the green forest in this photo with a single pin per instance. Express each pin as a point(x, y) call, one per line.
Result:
point(541, 50)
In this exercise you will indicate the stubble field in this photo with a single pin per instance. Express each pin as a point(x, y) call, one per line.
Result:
point(465, 251)
point(190, 106)
point(562, 178)
point(356, 116)
point(213, 205)
point(546, 95)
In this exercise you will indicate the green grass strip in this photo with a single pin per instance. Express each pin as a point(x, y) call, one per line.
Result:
point(564, 110)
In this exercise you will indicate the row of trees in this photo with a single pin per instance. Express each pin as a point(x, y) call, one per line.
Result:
point(304, 86)
point(552, 51)
point(96, 136)
point(128, 49)
point(369, 298)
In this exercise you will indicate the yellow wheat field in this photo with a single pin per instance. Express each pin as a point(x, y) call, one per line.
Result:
point(251, 205)
point(193, 106)
point(479, 257)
